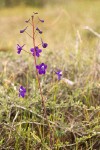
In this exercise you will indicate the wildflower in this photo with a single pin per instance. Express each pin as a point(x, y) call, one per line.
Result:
point(41, 68)
point(22, 31)
point(39, 30)
point(44, 45)
point(22, 91)
point(41, 20)
point(37, 51)
point(19, 48)
point(27, 20)
point(59, 74)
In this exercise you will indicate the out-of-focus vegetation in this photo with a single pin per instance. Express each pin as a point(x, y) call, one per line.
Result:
point(39, 3)
point(11, 3)
point(73, 111)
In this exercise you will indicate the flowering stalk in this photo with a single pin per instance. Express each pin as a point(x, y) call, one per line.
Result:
point(40, 68)
point(43, 102)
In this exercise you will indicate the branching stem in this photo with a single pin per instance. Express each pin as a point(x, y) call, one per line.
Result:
point(43, 102)
point(37, 75)
point(27, 52)
point(28, 34)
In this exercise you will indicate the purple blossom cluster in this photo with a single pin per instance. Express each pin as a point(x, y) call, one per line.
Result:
point(41, 68)
point(22, 91)
point(35, 51)
point(59, 74)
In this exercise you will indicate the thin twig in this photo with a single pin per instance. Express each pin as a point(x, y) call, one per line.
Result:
point(21, 107)
point(37, 123)
point(91, 30)
point(15, 117)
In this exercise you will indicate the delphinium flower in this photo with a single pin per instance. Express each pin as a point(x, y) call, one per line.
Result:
point(19, 48)
point(36, 51)
point(27, 21)
point(39, 30)
point(41, 20)
point(22, 92)
point(41, 68)
point(59, 74)
point(44, 45)
point(22, 31)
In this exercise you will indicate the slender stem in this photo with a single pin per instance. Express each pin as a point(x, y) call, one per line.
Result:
point(28, 34)
point(39, 44)
point(30, 23)
point(37, 23)
point(26, 51)
point(36, 26)
point(43, 102)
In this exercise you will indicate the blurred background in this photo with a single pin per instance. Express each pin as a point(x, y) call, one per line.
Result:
point(64, 19)
point(65, 28)
point(11, 3)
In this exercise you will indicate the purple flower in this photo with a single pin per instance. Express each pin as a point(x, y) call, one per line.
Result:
point(22, 31)
point(22, 91)
point(41, 68)
point(27, 20)
point(41, 20)
point(39, 30)
point(19, 48)
point(37, 51)
point(44, 45)
point(59, 74)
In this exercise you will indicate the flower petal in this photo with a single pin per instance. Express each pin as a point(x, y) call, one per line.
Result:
point(32, 49)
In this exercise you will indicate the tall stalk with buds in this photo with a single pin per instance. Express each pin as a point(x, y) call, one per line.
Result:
point(43, 102)
point(35, 51)
point(40, 68)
